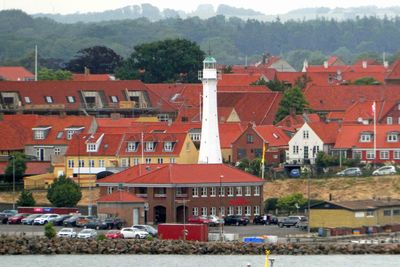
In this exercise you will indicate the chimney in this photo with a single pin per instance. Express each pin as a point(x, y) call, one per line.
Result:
point(305, 65)
point(325, 64)
point(330, 196)
point(385, 64)
point(264, 59)
point(364, 64)
point(86, 71)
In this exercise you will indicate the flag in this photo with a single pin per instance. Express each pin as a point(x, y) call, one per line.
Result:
point(263, 153)
point(373, 107)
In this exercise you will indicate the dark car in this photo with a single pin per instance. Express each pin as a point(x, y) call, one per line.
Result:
point(236, 220)
point(96, 224)
point(270, 219)
point(60, 221)
point(114, 223)
point(71, 221)
point(5, 214)
point(292, 221)
point(82, 220)
point(17, 218)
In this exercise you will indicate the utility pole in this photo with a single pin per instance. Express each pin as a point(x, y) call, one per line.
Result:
point(13, 158)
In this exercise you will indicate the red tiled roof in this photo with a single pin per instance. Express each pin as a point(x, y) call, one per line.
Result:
point(121, 196)
point(274, 136)
point(335, 115)
point(239, 79)
point(228, 133)
point(91, 77)
point(394, 73)
point(183, 174)
point(326, 131)
point(288, 77)
point(15, 74)
point(349, 136)
point(363, 110)
point(32, 167)
point(297, 120)
point(109, 145)
point(15, 131)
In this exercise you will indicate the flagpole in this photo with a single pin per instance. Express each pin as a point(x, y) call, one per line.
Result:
point(263, 161)
point(374, 109)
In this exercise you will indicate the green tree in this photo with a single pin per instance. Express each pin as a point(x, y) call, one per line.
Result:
point(324, 160)
point(293, 100)
point(251, 166)
point(291, 202)
point(98, 59)
point(270, 204)
point(302, 81)
point(64, 192)
point(45, 74)
point(26, 199)
point(171, 60)
point(366, 81)
point(19, 164)
point(49, 230)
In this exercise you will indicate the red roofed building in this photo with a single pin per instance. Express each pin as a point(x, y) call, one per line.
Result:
point(15, 74)
point(250, 144)
point(357, 141)
point(293, 122)
point(92, 77)
point(173, 190)
point(393, 77)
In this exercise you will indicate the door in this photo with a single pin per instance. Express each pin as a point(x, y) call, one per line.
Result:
point(135, 216)
point(305, 152)
point(40, 154)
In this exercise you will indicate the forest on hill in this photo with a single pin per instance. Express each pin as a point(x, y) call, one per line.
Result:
point(232, 40)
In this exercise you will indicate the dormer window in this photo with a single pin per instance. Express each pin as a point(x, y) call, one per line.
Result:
point(49, 99)
point(131, 147)
point(365, 138)
point(114, 99)
point(71, 99)
point(149, 146)
point(40, 133)
point(91, 147)
point(27, 99)
point(73, 130)
point(389, 120)
point(392, 137)
point(168, 146)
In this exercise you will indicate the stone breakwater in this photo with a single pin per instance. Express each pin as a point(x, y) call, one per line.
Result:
point(23, 245)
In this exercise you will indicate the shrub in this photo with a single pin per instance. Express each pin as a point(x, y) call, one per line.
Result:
point(49, 230)
point(101, 237)
point(64, 192)
point(26, 199)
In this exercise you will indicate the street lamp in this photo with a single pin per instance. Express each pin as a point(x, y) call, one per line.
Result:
point(220, 209)
point(13, 194)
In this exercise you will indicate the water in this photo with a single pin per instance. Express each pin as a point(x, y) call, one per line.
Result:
point(199, 261)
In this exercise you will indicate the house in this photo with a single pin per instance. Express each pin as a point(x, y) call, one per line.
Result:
point(250, 144)
point(355, 213)
point(293, 122)
point(11, 73)
point(309, 140)
point(357, 141)
point(173, 191)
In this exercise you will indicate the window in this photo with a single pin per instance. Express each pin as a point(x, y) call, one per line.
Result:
point(71, 99)
point(131, 147)
point(91, 147)
point(238, 190)
point(247, 210)
point(239, 210)
point(160, 192)
point(160, 160)
point(114, 99)
point(256, 210)
point(213, 211)
point(370, 213)
point(91, 163)
point(195, 211)
point(396, 154)
point(221, 191)
point(356, 154)
point(135, 161)
point(365, 138)
point(27, 99)
point(222, 211)
point(398, 120)
point(148, 160)
point(81, 163)
point(370, 154)
point(384, 154)
point(168, 146)
point(305, 134)
point(149, 146)
point(101, 163)
point(256, 190)
point(213, 192)
point(195, 192)
point(69, 134)
point(57, 151)
point(230, 210)
point(39, 134)
point(124, 162)
point(387, 212)
point(247, 191)
point(230, 191)
point(396, 212)
point(204, 211)
point(389, 120)
point(60, 135)
point(250, 138)
point(71, 163)
point(258, 152)
point(172, 160)
point(295, 150)
point(392, 137)
point(204, 192)
point(49, 99)
point(110, 189)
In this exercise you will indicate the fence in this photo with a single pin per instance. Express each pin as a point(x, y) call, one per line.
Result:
point(4, 187)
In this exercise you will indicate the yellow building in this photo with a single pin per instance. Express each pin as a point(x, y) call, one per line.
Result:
point(356, 213)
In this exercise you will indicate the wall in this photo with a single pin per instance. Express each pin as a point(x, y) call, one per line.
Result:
point(339, 218)
point(122, 210)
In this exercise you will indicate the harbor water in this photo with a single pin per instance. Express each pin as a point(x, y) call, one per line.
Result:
point(200, 261)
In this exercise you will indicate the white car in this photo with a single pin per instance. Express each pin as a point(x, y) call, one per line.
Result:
point(385, 170)
point(45, 218)
point(148, 228)
point(215, 220)
point(87, 233)
point(66, 232)
point(131, 232)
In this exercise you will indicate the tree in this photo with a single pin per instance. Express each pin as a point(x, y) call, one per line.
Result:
point(45, 74)
point(98, 59)
point(291, 202)
point(64, 192)
point(251, 166)
point(301, 81)
point(293, 100)
point(26, 199)
point(49, 230)
point(171, 60)
point(366, 81)
point(276, 85)
point(20, 167)
point(270, 204)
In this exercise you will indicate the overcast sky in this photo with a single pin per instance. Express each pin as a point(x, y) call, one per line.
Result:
point(265, 6)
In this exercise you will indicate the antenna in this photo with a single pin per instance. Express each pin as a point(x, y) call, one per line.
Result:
point(209, 48)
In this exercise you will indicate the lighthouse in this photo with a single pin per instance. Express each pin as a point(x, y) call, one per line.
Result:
point(210, 148)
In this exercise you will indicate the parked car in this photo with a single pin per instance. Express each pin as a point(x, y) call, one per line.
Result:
point(114, 223)
point(114, 234)
point(82, 220)
point(5, 214)
point(87, 233)
point(72, 220)
point(60, 221)
point(215, 220)
point(302, 225)
point(17, 218)
point(385, 170)
point(198, 219)
point(292, 221)
point(96, 224)
point(46, 218)
point(265, 219)
point(236, 220)
point(354, 171)
point(67, 232)
point(294, 173)
point(29, 220)
point(148, 228)
point(131, 232)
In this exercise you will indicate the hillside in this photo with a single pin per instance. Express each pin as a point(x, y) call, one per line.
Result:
point(339, 188)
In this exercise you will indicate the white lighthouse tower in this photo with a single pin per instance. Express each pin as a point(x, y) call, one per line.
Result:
point(210, 148)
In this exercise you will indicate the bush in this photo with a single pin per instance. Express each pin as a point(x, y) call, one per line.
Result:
point(101, 237)
point(270, 204)
point(26, 199)
point(149, 238)
point(49, 230)
point(64, 192)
